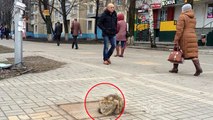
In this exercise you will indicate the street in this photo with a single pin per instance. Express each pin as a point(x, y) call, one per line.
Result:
point(151, 92)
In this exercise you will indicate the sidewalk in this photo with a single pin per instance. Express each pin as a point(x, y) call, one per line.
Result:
point(151, 92)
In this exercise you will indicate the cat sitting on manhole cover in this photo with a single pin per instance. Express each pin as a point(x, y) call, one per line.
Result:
point(111, 104)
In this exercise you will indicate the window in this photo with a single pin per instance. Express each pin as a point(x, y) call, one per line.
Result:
point(119, 2)
point(163, 15)
point(36, 28)
point(35, 18)
point(90, 25)
point(210, 11)
point(74, 10)
point(91, 8)
point(56, 13)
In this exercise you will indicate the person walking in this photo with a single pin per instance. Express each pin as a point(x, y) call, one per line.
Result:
point(7, 32)
point(108, 24)
point(2, 31)
point(121, 35)
point(75, 30)
point(186, 39)
point(58, 31)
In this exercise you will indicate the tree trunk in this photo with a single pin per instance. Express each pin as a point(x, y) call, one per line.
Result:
point(47, 19)
point(151, 29)
point(132, 17)
point(107, 2)
point(96, 19)
point(63, 3)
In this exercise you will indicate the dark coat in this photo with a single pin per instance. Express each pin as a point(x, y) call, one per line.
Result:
point(108, 23)
point(58, 29)
point(186, 36)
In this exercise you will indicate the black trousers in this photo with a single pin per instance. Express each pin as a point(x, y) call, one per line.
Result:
point(75, 42)
point(58, 39)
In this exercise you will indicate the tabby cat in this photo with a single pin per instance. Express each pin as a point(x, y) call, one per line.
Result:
point(112, 104)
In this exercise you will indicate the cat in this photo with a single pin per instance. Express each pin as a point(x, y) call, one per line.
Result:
point(111, 104)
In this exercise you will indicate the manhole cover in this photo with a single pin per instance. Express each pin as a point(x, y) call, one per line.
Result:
point(77, 110)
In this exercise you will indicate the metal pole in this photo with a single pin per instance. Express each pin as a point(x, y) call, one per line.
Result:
point(18, 36)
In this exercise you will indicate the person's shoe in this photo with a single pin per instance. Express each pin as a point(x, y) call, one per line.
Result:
point(174, 69)
point(121, 56)
point(109, 61)
point(106, 62)
point(116, 55)
point(198, 67)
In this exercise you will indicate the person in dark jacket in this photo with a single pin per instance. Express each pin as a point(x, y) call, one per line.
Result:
point(7, 32)
point(2, 29)
point(108, 24)
point(58, 31)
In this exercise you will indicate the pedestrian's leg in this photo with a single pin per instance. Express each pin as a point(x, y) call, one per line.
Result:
point(105, 50)
point(59, 39)
point(197, 66)
point(117, 49)
point(123, 45)
point(73, 43)
point(174, 69)
point(76, 43)
point(112, 48)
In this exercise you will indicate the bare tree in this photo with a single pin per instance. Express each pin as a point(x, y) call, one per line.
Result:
point(6, 9)
point(131, 16)
point(65, 8)
point(44, 5)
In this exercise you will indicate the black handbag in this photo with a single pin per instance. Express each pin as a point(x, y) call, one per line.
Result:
point(127, 34)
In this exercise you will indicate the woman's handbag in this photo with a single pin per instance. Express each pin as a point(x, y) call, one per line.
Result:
point(176, 56)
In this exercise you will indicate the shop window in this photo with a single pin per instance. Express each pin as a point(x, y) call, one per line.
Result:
point(210, 11)
point(163, 14)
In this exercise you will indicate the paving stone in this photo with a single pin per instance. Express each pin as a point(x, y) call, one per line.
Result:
point(151, 92)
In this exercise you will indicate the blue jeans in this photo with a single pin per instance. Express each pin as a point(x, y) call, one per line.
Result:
point(107, 53)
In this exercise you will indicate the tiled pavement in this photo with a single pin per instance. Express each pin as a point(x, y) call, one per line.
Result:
point(151, 92)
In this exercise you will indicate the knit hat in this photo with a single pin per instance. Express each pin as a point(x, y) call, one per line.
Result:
point(186, 7)
point(120, 16)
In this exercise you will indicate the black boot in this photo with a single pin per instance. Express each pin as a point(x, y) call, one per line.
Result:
point(174, 69)
point(73, 45)
point(197, 67)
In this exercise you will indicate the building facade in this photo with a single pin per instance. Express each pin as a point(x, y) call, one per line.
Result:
point(166, 13)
